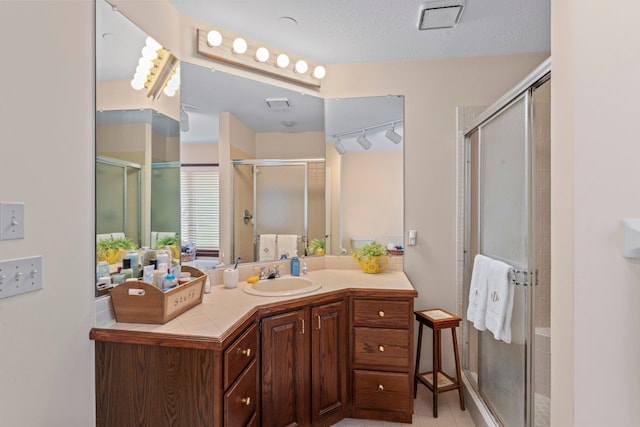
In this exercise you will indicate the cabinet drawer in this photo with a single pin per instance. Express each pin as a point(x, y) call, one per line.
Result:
point(240, 401)
point(381, 390)
point(239, 354)
point(381, 348)
point(381, 313)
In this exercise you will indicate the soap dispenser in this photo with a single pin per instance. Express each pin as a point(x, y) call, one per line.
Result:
point(295, 265)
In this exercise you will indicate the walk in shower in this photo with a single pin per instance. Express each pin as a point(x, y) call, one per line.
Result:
point(276, 197)
point(506, 216)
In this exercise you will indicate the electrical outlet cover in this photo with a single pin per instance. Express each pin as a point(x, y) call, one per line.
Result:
point(11, 221)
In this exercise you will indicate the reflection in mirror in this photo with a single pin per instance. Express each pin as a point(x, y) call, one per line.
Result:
point(365, 139)
point(251, 123)
point(137, 148)
point(137, 175)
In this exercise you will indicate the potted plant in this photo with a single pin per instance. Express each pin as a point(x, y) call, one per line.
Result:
point(371, 257)
point(316, 246)
point(112, 250)
point(171, 242)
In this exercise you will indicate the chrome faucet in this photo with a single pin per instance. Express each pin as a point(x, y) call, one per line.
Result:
point(274, 272)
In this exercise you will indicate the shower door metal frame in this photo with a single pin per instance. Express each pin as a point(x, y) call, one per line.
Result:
point(524, 90)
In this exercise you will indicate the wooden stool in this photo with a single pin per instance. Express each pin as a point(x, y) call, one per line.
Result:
point(438, 319)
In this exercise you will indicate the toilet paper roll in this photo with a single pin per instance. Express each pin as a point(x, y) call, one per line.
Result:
point(230, 278)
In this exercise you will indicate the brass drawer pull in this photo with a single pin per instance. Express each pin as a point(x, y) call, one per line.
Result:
point(246, 352)
point(381, 348)
point(246, 401)
point(380, 387)
point(381, 313)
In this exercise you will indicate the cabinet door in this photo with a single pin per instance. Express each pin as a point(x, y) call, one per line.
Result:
point(328, 360)
point(284, 369)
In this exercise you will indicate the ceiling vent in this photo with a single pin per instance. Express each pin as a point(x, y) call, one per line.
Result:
point(433, 18)
point(278, 103)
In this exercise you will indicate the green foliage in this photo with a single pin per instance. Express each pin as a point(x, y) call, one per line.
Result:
point(168, 241)
point(121, 243)
point(368, 251)
point(315, 244)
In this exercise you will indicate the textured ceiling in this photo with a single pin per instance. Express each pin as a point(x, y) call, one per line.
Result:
point(327, 31)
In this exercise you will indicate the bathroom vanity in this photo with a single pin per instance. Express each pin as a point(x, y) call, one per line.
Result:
point(345, 350)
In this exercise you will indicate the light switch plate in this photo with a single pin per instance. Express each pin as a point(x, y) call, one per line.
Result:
point(11, 221)
point(18, 276)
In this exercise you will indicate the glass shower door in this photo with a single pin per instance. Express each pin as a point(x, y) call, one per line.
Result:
point(503, 234)
point(281, 201)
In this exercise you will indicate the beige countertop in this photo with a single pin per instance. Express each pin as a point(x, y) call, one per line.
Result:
point(223, 308)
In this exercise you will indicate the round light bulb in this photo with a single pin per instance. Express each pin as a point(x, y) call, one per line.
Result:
point(145, 62)
point(239, 45)
point(262, 54)
point(214, 38)
point(150, 41)
point(319, 72)
point(137, 84)
point(149, 53)
point(282, 61)
point(301, 66)
point(169, 91)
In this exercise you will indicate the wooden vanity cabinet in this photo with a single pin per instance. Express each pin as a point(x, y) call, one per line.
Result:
point(382, 359)
point(304, 366)
point(145, 379)
point(241, 398)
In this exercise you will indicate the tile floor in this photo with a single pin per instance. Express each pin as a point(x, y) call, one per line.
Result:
point(449, 413)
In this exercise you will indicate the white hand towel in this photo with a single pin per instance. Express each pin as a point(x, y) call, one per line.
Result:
point(287, 244)
point(500, 293)
point(477, 308)
point(267, 247)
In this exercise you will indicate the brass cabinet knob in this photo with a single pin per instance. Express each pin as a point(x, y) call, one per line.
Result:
point(246, 401)
point(380, 387)
point(246, 352)
point(380, 348)
point(381, 313)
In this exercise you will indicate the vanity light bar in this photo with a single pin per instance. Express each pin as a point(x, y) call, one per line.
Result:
point(158, 71)
point(232, 49)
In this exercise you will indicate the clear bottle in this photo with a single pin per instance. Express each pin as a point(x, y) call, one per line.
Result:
point(132, 256)
point(170, 280)
point(304, 268)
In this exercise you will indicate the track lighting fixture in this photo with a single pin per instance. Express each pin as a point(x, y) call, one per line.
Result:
point(184, 120)
point(339, 147)
point(364, 142)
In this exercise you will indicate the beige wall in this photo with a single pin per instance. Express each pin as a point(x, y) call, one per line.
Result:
point(595, 290)
point(199, 153)
point(279, 145)
point(46, 373)
point(371, 203)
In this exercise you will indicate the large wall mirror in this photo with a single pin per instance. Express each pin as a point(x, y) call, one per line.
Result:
point(288, 163)
point(137, 149)
point(270, 146)
point(365, 140)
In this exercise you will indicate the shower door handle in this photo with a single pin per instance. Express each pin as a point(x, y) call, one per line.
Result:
point(247, 216)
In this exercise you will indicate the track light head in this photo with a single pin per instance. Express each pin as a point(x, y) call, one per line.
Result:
point(339, 147)
point(364, 142)
point(393, 136)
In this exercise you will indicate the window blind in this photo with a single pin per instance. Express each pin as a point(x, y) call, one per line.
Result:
point(199, 200)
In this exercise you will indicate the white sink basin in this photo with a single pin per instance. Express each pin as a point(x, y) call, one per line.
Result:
point(282, 286)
